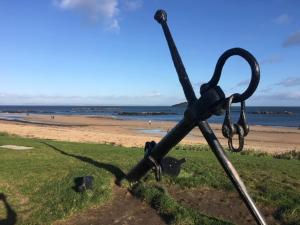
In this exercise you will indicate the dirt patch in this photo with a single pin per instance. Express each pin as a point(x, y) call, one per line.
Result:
point(124, 209)
point(16, 147)
point(219, 204)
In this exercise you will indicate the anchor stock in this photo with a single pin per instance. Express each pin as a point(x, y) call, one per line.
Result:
point(211, 102)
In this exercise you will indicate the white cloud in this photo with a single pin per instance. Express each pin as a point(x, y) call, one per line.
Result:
point(282, 19)
point(133, 4)
point(153, 94)
point(265, 89)
point(287, 98)
point(153, 98)
point(281, 96)
point(113, 25)
point(271, 60)
point(292, 40)
point(243, 83)
point(104, 11)
point(289, 82)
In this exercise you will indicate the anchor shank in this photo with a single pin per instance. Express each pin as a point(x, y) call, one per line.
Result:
point(162, 148)
point(230, 170)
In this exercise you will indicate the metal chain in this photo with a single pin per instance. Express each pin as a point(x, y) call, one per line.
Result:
point(156, 167)
point(241, 128)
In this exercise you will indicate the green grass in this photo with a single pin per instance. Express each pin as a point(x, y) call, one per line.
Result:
point(38, 182)
point(169, 209)
point(270, 181)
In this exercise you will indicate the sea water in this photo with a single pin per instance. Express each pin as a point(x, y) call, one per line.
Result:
point(269, 116)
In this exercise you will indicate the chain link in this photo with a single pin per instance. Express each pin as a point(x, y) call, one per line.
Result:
point(241, 128)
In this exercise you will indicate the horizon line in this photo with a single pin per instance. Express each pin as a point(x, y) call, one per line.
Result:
point(79, 105)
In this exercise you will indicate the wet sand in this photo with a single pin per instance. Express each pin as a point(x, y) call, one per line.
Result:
point(131, 133)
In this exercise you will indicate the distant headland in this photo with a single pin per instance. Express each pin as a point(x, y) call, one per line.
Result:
point(181, 105)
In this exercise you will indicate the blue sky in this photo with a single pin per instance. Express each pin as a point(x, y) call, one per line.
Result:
point(112, 52)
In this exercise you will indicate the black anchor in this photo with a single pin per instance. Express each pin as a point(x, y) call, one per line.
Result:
point(211, 102)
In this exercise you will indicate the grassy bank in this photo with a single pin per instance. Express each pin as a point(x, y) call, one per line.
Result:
point(38, 183)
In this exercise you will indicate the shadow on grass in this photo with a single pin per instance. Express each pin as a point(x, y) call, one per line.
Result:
point(117, 172)
point(11, 217)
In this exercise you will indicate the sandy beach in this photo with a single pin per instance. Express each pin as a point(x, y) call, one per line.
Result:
point(135, 133)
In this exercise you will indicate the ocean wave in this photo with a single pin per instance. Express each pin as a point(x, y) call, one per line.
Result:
point(145, 113)
point(27, 111)
point(273, 113)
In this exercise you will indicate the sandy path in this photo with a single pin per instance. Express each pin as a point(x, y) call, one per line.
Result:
point(128, 133)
